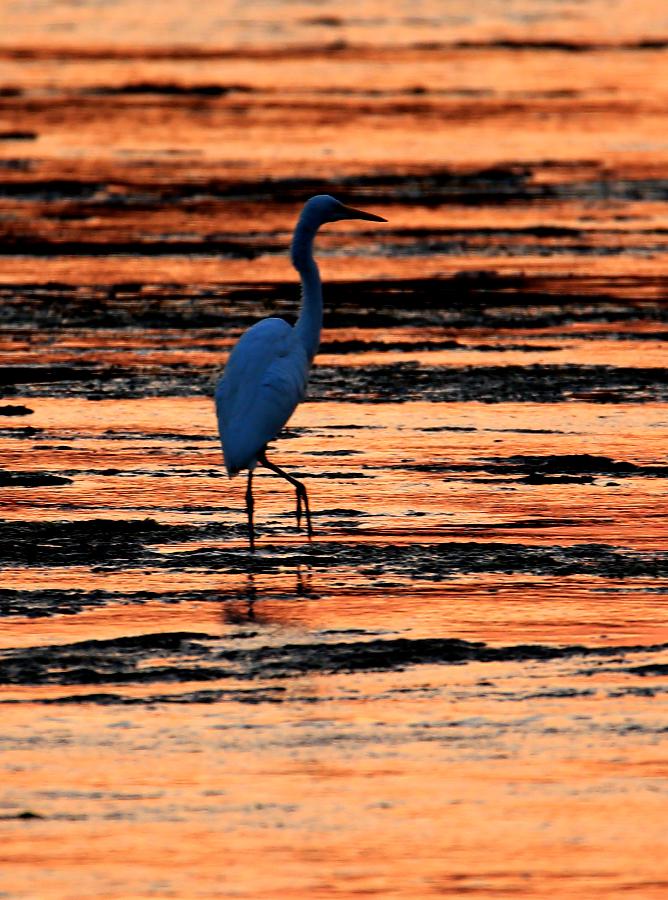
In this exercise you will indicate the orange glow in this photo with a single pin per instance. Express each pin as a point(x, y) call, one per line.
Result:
point(459, 687)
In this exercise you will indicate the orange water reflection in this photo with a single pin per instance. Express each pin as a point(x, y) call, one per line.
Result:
point(224, 788)
point(527, 777)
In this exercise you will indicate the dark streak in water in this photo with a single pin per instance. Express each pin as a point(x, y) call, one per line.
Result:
point(168, 88)
point(121, 544)
point(30, 479)
point(122, 660)
point(395, 383)
point(15, 410)
point(205, 246)
point(517, 182)
point(253, 697)
point(480, 299)
point(491, 384)
point(335, 49)
point(564, 464)
point(17, 135)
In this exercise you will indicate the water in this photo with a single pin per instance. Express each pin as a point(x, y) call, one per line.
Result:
point(460, 685)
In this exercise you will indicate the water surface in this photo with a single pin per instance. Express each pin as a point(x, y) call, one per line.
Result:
point(459, 686)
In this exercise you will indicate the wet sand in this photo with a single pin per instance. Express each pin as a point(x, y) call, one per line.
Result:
point(459, 686)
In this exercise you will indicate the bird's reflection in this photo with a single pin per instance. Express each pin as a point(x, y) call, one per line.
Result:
point(248, 604)
point(304, 582)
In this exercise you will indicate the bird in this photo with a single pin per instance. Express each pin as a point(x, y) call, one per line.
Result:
point(267, 371)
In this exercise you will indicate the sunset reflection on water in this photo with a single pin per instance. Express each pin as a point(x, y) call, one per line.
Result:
point(458, 687)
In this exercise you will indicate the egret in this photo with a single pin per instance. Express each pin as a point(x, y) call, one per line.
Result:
point(267, 371)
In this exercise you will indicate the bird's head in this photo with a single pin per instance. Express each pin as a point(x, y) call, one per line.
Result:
point(323, 208)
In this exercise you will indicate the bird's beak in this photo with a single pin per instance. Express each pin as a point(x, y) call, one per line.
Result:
point(352, 213)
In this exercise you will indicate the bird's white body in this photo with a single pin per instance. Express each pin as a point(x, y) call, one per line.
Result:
point(265, 379)
point(267, 371)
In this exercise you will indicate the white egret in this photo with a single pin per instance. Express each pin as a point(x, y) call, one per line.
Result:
point(267, 371)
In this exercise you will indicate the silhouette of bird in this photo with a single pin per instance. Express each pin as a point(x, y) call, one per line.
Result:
point(267, 371)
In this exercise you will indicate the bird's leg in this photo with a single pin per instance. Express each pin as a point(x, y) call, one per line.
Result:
point(250, 505)
point(309, 527)
point(302, 496)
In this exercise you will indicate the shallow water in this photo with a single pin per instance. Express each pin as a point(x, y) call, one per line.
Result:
point(459, 686)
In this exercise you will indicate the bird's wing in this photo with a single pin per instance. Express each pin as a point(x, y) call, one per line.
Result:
point(264, 380)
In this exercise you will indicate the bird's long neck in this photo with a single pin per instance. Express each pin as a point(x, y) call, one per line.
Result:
point(309, 323)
